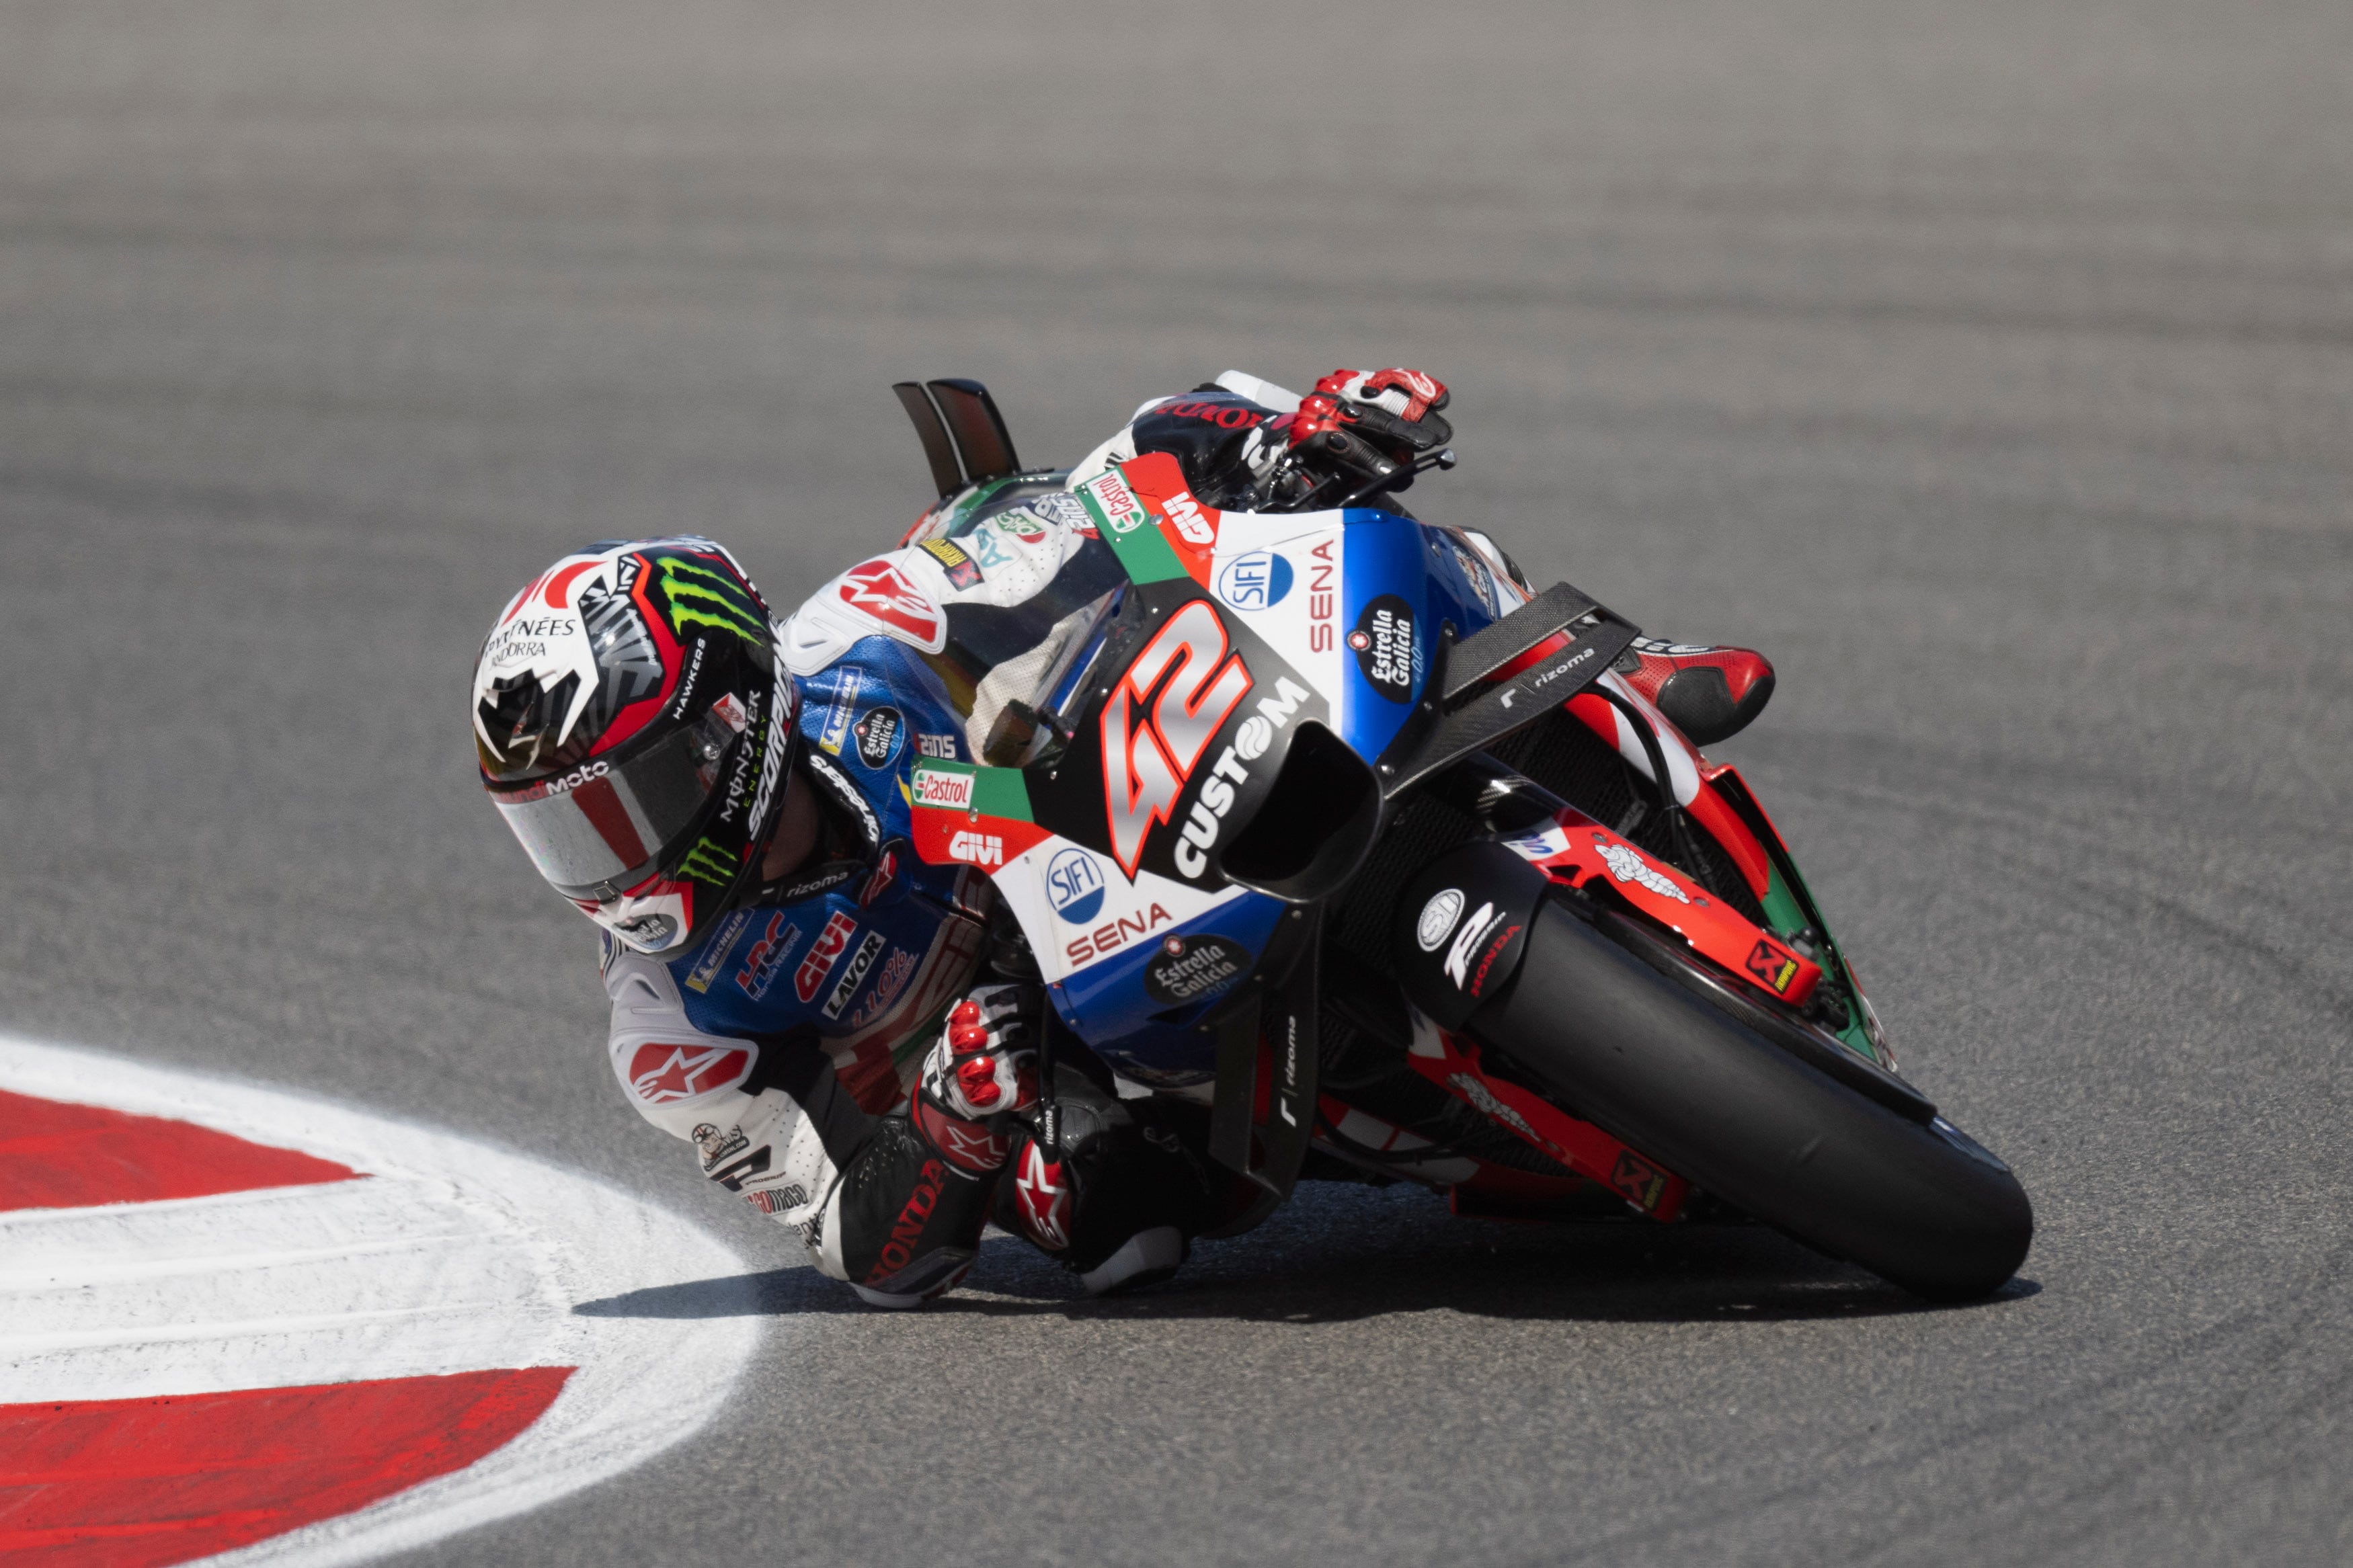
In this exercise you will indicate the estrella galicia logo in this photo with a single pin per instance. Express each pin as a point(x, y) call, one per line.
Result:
point(1383, 644)
point(1194, 969)
point(1074, 885)
point(878, 733)
point(1254, 582)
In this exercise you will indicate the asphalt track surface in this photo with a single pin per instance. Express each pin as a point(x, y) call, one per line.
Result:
point(1990, 367)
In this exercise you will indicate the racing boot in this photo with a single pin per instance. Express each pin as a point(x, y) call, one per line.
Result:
point(1119, 1202)
point(1709, 694)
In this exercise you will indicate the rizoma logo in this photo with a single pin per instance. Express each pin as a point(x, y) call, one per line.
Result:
point(831, 944)
point(1562, 668)
point(1151, 743)
point(697, 596)
point(977, 849)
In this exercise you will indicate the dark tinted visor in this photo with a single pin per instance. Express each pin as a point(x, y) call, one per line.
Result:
point(603, 824)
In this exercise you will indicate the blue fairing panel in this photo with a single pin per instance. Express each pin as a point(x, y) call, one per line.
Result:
point(1404, 580)
point(1141, 1004)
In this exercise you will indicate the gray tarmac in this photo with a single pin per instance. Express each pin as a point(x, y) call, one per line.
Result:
point(1990, 367)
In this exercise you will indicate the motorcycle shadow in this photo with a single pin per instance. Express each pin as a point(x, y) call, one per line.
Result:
point(1341, 1254)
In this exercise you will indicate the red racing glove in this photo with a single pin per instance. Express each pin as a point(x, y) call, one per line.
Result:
point(1368, 429)
point(982, 1069)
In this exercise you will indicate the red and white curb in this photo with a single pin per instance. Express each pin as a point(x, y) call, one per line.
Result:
point(302, 1334)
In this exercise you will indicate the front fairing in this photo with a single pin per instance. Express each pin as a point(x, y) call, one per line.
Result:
point(1104, 847)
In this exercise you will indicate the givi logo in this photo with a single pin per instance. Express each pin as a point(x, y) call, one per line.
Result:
point(234, 1318)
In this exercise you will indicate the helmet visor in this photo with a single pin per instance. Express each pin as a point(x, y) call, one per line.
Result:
point(602, 826)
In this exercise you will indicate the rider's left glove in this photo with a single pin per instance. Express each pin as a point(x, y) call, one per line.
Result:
point(982, 1069)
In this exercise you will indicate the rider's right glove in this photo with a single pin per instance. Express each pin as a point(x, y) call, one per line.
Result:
point(982, 1069)
point(1366, 429)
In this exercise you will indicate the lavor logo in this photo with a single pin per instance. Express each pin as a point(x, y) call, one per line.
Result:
point(852, 973)
point(694, 595)
point(1383, 644)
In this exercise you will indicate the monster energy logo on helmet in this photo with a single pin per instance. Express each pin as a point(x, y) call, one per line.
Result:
point(710, 862)
point(696, 594)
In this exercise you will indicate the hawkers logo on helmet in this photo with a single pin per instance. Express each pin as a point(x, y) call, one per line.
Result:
point(635, 725)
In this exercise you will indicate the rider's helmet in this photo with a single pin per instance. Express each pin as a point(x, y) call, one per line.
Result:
point(635, 728)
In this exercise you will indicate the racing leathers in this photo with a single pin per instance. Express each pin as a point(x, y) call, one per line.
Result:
point(853, 1050)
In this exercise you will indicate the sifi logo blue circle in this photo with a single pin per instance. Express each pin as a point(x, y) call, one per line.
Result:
point(1254, 582)
point(1074, 883)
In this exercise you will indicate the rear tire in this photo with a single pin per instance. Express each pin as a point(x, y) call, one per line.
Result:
point(1715, 1101)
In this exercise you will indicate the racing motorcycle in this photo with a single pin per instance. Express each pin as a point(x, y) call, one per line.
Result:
point(1329, 819)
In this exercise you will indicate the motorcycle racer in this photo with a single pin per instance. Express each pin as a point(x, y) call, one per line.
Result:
point(847, 1035)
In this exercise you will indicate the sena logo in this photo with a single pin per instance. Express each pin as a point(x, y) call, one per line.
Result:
point(881, 591)
point(1161, 717)
point(977, 849)
point(831, 944)
point(1116, 933)
point(1321, 587)
point(660, 1074)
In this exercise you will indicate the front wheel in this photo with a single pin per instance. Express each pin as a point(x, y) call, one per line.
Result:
point(1713, 1100)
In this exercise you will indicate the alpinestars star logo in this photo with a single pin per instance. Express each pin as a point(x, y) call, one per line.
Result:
point(660, 1074)
point(1045, 1199)
point(1181, 687)
point(882, 593)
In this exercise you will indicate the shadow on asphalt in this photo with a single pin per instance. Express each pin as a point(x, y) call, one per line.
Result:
point(1339, 1257)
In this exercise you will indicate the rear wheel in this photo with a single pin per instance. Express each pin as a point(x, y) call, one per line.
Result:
point(1851, 1169)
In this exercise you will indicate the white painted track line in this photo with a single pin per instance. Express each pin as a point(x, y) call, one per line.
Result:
point(451, 1256)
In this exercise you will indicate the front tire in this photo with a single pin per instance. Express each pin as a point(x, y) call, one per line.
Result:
point(1717, 1102)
